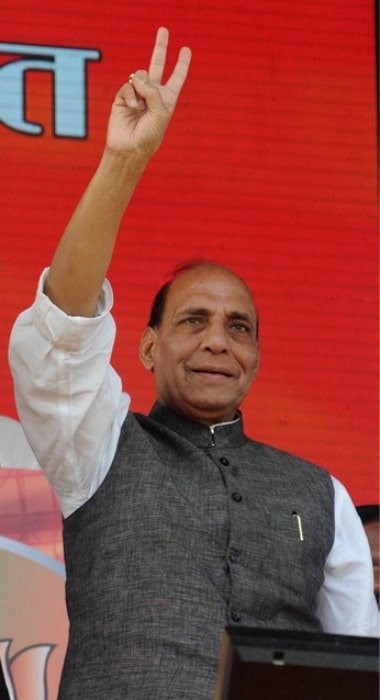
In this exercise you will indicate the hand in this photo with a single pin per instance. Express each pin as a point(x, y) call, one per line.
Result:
point(143, 106)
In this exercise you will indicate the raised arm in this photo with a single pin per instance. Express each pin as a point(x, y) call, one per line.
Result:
point(139, 117)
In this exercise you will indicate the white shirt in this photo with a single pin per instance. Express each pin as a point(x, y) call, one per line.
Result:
point(72, 406)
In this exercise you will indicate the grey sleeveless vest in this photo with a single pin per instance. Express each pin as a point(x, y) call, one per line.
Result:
point(192, 529)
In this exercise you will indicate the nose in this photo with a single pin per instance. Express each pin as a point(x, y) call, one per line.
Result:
point(214, 338)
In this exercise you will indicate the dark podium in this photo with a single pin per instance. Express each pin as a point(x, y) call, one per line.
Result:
point(260, 664)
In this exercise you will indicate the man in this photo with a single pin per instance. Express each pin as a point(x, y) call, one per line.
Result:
point(175, 524)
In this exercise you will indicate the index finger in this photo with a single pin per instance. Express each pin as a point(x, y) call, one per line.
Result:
point(158, 58)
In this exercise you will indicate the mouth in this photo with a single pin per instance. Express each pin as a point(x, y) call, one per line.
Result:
point(213, 372)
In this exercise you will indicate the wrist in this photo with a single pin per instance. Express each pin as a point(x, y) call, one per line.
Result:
point(123, 163)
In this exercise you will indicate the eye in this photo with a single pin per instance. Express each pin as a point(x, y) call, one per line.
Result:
point(241, 327)
point(192, 320)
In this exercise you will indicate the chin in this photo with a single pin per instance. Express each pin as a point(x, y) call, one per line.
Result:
point(209, 413)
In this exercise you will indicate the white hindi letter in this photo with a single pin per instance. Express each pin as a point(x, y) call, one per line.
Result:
point(68, 66)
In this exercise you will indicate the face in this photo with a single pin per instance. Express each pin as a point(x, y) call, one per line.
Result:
point(372, 530)
point(205, 354)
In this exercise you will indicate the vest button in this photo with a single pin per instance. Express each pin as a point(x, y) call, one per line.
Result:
point(224, 461)
point(235, 615)
point(236, 496)
point(235, 556)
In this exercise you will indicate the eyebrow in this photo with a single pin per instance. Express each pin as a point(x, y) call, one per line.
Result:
point(240, 316)
point(232, 315)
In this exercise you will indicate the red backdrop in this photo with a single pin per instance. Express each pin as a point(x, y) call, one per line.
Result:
point(269, 167)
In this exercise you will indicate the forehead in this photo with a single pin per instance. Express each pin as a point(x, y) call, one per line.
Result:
point(209, 285)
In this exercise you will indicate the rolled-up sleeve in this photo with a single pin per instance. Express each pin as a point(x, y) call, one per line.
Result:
point(69, 399)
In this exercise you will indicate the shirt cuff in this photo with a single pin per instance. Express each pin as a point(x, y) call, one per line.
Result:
point(68, 331)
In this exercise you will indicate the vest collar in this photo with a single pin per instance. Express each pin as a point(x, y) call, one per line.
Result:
point(219, 435)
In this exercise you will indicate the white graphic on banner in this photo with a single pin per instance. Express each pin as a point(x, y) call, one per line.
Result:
point(68, 66)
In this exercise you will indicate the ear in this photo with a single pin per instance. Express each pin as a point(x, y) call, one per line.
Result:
point(147, 347)
point(257, 362)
